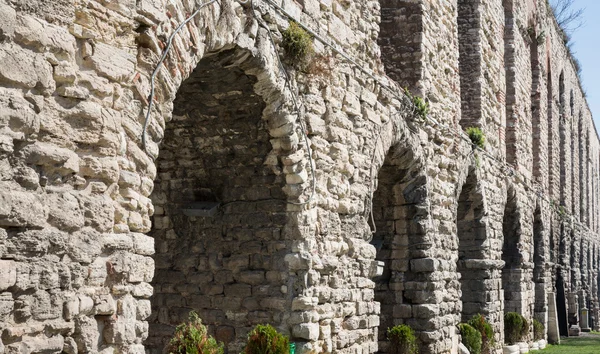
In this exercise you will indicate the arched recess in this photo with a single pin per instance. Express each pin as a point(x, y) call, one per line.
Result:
point(400, 39)
point(469, 63)
point(582, 168)
point(540, 307)
point(513, 271)
point(536, 104)
point(551, 128)
point(474, 248)
point(220, 210)
point(564, 178)
point(402, 240)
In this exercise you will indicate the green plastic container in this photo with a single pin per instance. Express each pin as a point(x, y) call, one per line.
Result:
point(292, 348)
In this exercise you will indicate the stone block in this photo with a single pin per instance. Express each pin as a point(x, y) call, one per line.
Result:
point(8, 274)
point(112, 62)
point(25, 68)
point(21, 209)
point(65, 212)
point(309, 331)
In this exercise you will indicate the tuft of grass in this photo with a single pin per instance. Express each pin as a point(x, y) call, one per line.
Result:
point(297, 43)
point(477, 137)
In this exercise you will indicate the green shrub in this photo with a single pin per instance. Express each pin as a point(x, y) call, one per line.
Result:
point(471, 338)
point(421, 106)
point(487, 332)
point(513, 327)
point(524, 328)
point(191, 338)
point(477, 137)
point(539, 331)
point(264, 339)
point(297, 43)
point(402, 340)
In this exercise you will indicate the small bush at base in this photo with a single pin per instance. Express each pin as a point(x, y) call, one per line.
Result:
point(487, 332)
point(513, 327)
point(471, 338)
point(402, 340)
point(191, 338)
point(539, 331)
point(264, 339)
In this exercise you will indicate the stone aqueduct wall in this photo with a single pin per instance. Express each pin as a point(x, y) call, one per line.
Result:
point(97, 254)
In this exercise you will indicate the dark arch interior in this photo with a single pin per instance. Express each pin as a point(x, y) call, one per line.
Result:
point(511, 255)
point(397, 211)
point(472, 244)
point(539, 273)
point(217, 252)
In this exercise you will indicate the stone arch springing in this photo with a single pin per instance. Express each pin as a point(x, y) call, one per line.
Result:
point(469, 60)
point(219, 208)
point(540, 309)
point(512, 272)
point(401, 214)
point(473, 249)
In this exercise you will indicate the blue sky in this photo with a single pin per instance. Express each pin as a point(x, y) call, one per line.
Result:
point(587, 49)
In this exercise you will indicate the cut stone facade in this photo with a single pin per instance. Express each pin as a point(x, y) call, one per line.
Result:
point(315, 198)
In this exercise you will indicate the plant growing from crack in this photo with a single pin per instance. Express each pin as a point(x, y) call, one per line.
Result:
point(477, 136)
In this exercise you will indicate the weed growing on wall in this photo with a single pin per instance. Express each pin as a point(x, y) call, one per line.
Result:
point(298, 44)
point(477, 137)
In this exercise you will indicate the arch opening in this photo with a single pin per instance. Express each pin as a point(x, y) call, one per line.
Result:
point(473, 250)
point(399, 210)
point(513, 271)
point(218, 226)
point(540, 308)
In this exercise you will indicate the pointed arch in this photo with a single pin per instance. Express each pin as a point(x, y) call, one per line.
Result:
point(402, 222)
point(512, 255)
point(474, 248)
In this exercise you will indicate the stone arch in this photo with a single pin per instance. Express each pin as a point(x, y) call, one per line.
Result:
point(220, 220)
point(512, 255)
point(220, 129)
point(402, 239)
point(475, 263)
